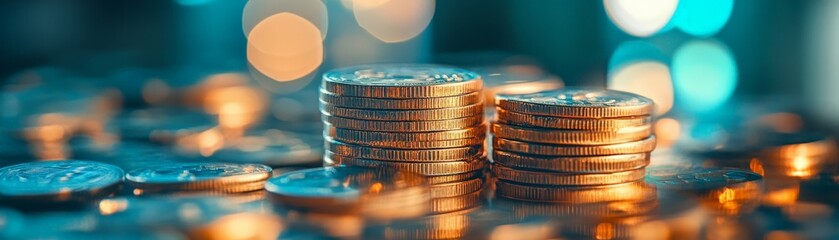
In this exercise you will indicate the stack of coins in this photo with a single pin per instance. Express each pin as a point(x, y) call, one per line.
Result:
point(569, 137)
point(426, 119)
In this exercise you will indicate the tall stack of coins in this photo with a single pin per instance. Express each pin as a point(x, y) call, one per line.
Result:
point(569, 137)
point(426, 119)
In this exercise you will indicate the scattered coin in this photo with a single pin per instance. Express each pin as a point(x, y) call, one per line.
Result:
point(698, 178)
point(57, 181)
point(214, 177)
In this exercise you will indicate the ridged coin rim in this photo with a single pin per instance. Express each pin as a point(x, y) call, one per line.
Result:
point(529, 120)
point(404, 126)
point(452, 189)
point(403, 115)
point(642, 146)
point(404, 155)
point(565, 179)
point(584, 164)
point(570, 137)
point(630, 191)
point(399, 103)
point(387, 137)
point(427, 169)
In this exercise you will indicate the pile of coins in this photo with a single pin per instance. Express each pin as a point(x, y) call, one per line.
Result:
point(569, 137)
point(426, 119)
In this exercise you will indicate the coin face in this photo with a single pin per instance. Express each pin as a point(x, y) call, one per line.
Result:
point(577, 102)
point(345, 183)
point(196, 172)
point(581, 97)
point(399, 75)
point(56, 177)
point(698, 178)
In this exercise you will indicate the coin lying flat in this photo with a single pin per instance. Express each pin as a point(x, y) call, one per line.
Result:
point(643, 146)
point(404, 126)
point(631, 191)
point(427, 169)
point(565, 179)
point(571, 137)
point(399, 104)
point(404, 115)
point(527, 120)
point(583, 164)
point(698, 178)
point(401, 81)
point(380, 138)
point(577, 103)
point(57, 181)
point(345, 189)
point(221, 177)
point(404, 155)
point(454, 143)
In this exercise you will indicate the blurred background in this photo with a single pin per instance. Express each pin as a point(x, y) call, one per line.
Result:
point(711, 63)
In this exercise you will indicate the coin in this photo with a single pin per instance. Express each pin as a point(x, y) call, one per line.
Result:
point(380, 138)
point(583, 164)
point(698, 178)
point(404, 126)
point(455, 143)
point(456, 188)
point(565, 179)
point(527, 120)
point(345, 189)
point(451, 204)
point(454, 177)
point(453, 225)
point(630, 191)
point(404, 115)
point(404, 155)
point(401, 81)
point(571, 137)
point(427, 169)
point(601, 210)
point(643, 146)
point(404, 104)
point(223, 177)
point(57, 181)
point(577, 103)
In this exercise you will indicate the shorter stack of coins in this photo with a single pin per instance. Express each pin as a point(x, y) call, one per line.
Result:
point(569, 137)
point(426, 119)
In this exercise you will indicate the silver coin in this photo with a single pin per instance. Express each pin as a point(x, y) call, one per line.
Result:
point(57, 177)
point(196, 172)
point(399, 75)
point(580, 97)
point(698, 178)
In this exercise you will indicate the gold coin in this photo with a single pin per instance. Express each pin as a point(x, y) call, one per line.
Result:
point(617, 209)
point(456, 188)
point(427, 169)
point(465, 142)
point(199, 176)
point(527, 120)
point(380, 138)
point(404, 155)
point(577, 103)
point(404, 126)
point(643, 146)
point(565, 179)
point(454, 177)
point(404, 115)
point(401, 81)
point(631, 191)
point(405, 104)
point(451, 204)
point(208, 189)
point(575, 137)
point(584, 164)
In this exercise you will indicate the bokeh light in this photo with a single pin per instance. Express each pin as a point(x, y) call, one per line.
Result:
point(285, 47)
point(393, 21)
point(640, 18)
point(703, 17)
point(639, 67)
point(704, 74)
point(256, 11)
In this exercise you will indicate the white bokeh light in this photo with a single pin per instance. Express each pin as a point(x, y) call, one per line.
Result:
point(640, 18)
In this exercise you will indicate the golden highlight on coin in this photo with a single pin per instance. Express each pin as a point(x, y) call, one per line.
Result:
point(646, 145)
point(400, 104)
point(565, 179)
point(579, 164)
point(404, 115)
point(371, 137)
point(630, 191)
point(404, 126)
point(571, 137)
point(401, 81)
point(528, 120)
point(407, 155)
point(577, 103)
point(427, 169)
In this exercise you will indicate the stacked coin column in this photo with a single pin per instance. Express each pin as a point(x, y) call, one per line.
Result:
point(426, 119)
point(569, 137)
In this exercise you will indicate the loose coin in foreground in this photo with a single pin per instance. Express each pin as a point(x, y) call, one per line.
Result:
point(643, 146)
point(580, 164)
point(577, 103)
point(221, 177)
point(427, 169)
point(698, 178)
point(401, 81)
point(58, 180)
point(344, 189)
point(571, 137)
point(565, 179)
point(528, 120)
